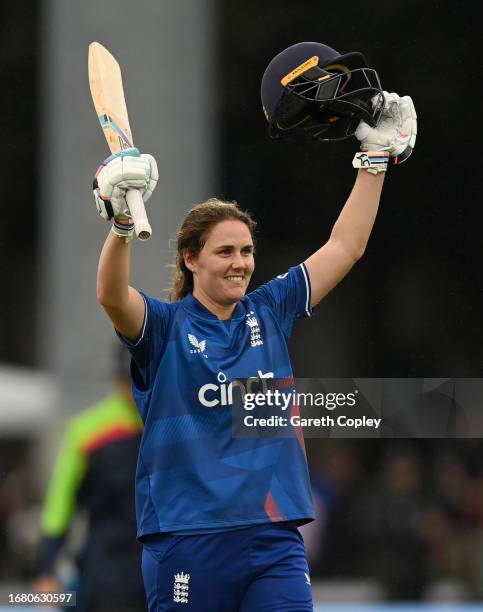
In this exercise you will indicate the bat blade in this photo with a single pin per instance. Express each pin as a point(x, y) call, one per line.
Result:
point(108, 96)
point(107, 92)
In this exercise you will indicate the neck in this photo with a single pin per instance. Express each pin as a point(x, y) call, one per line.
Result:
point(221, 311)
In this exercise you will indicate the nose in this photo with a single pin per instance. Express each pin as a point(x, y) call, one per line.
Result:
point(238, 263)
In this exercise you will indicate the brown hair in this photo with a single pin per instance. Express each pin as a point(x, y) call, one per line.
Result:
point(192, 237)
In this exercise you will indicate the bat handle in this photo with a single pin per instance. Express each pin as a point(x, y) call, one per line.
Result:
point(138, 213)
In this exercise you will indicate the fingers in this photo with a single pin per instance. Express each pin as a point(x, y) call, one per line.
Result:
point(409, 119)
point(153, 166)
point(406, 106)
point(397, 129)
point(129, 172)
point(152, 177)
point(362, 130)
point(390, 98)
point(125, 173)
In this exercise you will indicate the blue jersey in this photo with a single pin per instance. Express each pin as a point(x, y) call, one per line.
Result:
point(192, 474)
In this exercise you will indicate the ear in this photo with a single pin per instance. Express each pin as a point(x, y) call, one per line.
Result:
point(189, 261)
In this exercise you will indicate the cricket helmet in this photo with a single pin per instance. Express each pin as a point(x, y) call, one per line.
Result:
point(309, 90)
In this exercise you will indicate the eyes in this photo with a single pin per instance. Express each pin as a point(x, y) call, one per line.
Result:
point(227, 251)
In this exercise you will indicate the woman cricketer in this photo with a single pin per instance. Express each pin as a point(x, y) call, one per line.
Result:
point(218, 515)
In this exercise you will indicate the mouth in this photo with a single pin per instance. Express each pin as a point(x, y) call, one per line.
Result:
point(235, 278)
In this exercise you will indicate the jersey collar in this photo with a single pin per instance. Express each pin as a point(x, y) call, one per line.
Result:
point(190, 303)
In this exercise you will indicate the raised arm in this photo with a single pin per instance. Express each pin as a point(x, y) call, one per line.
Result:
point(123, 304)
point(392, 141)
point(349, 236)
point(127, 170)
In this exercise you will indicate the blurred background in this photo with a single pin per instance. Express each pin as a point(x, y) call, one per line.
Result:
point(398, 520)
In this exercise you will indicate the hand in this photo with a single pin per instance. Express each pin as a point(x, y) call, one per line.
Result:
point(118, 173)
point(396, 132)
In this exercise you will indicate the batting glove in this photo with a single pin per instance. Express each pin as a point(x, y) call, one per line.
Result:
point(128, 169)
point(393, 140)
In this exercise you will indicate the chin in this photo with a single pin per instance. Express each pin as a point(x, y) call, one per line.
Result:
point(233, 296)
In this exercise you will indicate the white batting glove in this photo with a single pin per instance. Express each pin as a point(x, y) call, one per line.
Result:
point(395, 135)
point(118, 173)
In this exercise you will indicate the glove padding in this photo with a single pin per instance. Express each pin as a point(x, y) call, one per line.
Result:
point(396, 132)
point(118, 173)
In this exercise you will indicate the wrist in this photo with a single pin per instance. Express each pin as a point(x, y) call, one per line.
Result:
point(373, 162)
point(123, 220)
point(123, 227)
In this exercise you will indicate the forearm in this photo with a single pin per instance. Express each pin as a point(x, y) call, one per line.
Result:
point(113, 272)
point(354, 225)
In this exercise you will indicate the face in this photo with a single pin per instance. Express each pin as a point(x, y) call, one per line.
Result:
point(225, 264)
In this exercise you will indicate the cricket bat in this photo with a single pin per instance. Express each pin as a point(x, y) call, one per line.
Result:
point(108, 96)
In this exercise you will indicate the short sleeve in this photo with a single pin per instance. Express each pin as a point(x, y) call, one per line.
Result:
point(148, 349)
point(287, 295)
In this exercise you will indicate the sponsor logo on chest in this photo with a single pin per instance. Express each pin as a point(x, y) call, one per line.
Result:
point(199, 346)
point(211, 395)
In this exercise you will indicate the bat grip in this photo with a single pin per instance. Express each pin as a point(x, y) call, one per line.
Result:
point(138, 214)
